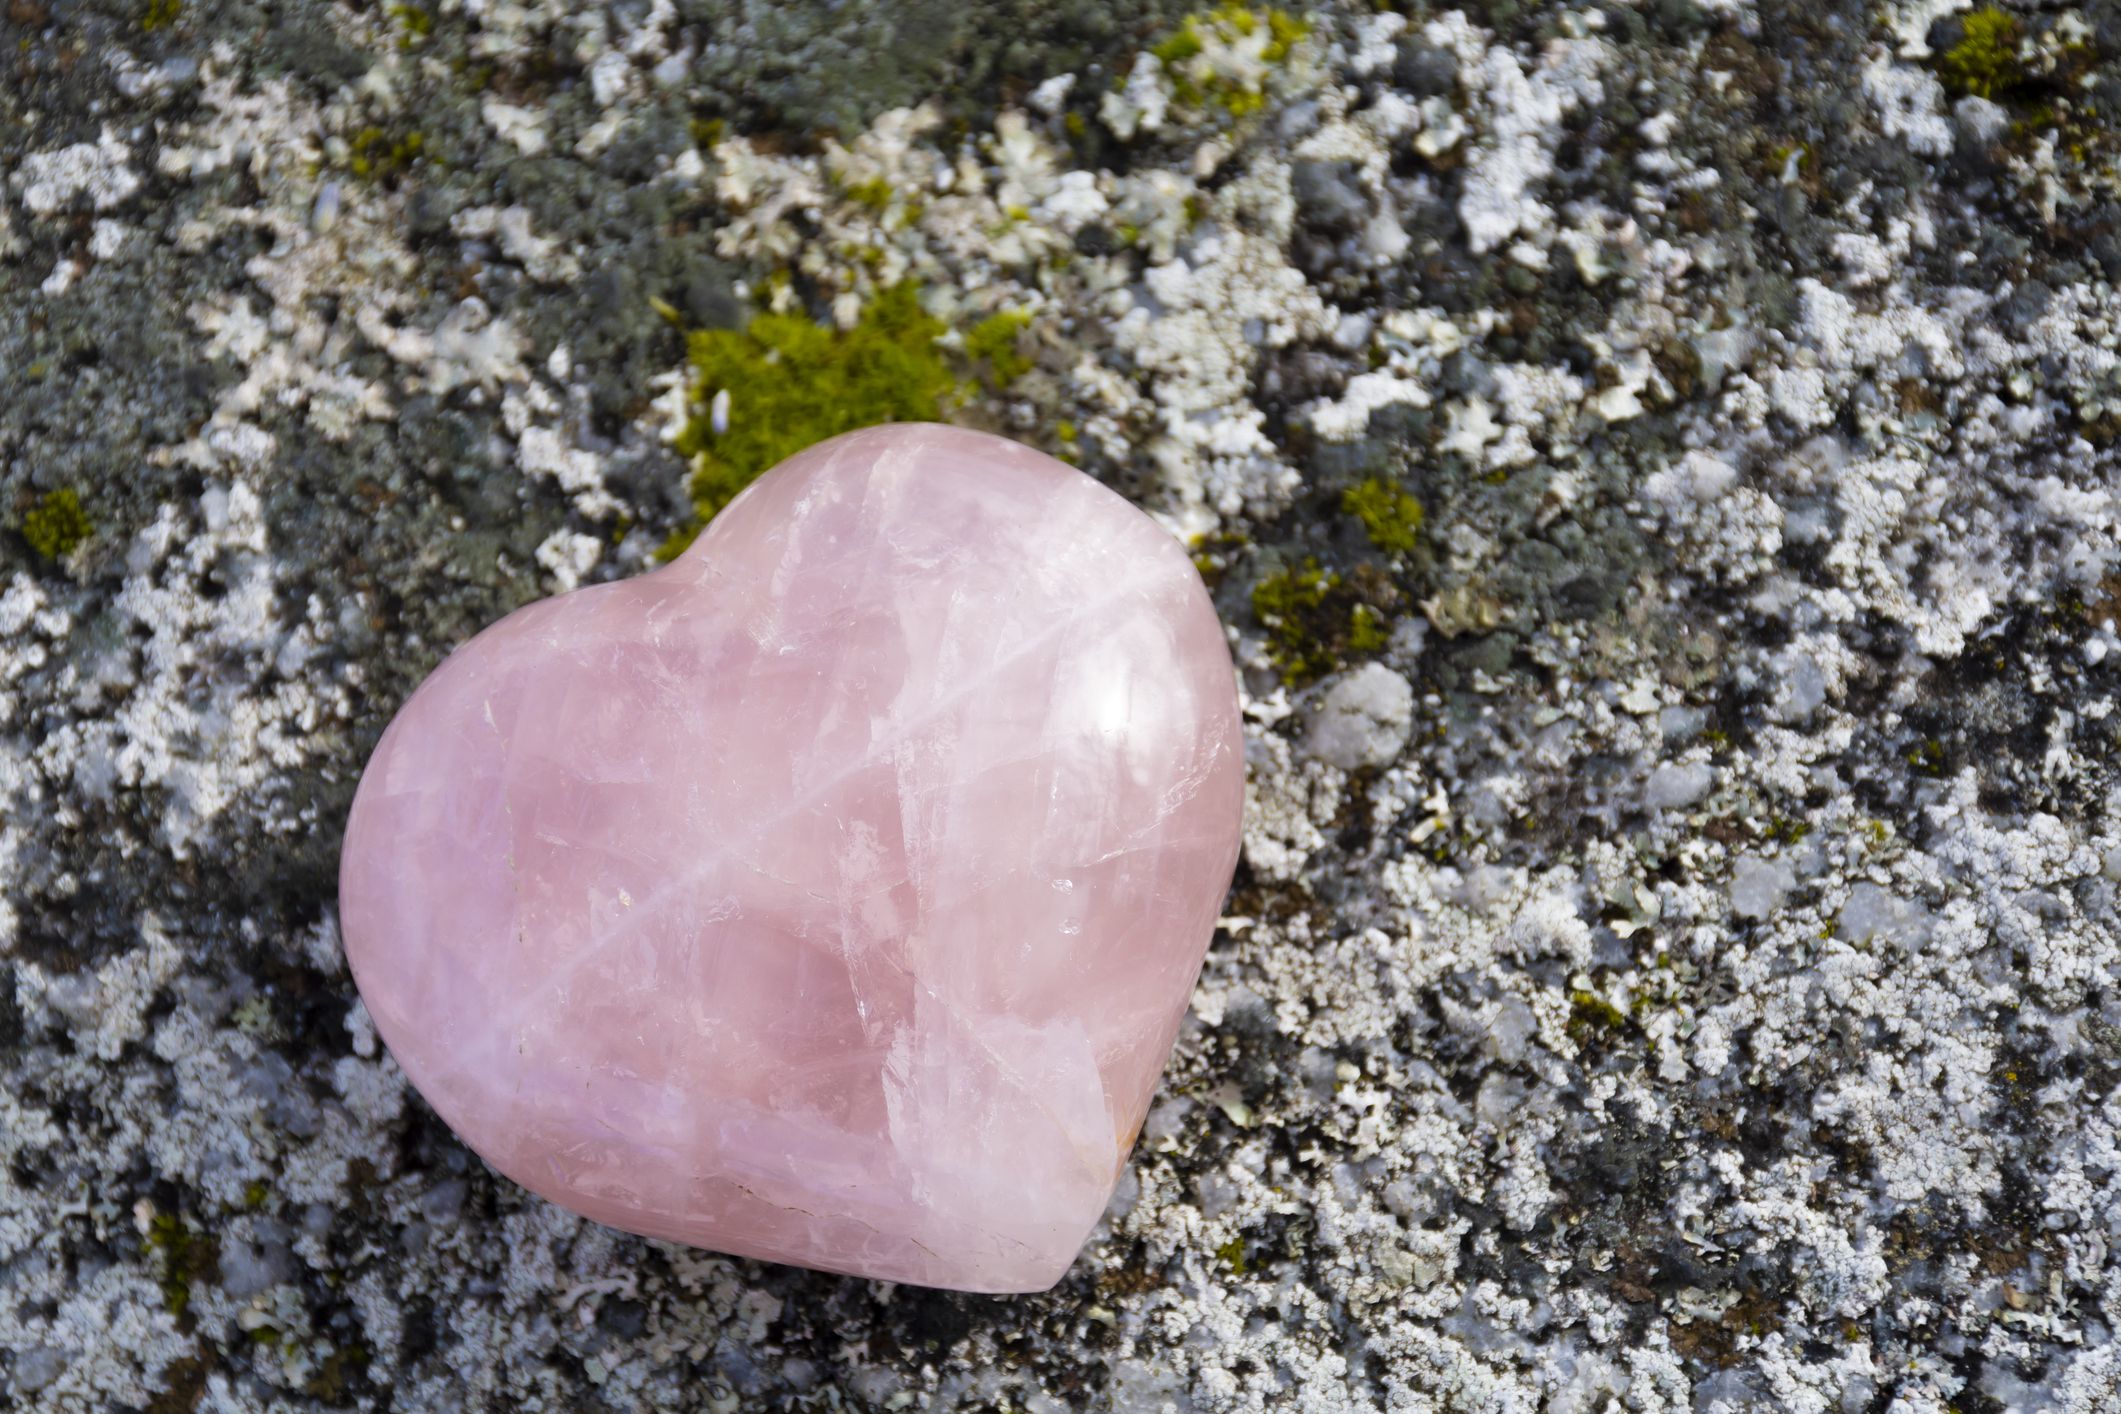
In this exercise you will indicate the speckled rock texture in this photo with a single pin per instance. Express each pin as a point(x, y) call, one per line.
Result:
point(1659, 467)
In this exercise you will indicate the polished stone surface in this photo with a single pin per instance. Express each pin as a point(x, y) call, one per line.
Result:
point(833, 894)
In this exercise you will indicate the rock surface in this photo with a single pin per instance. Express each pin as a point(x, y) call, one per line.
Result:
point(1755, 366)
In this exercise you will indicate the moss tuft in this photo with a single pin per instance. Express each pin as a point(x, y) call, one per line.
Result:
point(1212, 553)
point(1389, 516)
point(1287, 603)
point(1782, 830)
point(57, 525)
point(1180, 45)
point(792, 382)
point(1367, 630)
point(183, 1257)
point(416, 23)
point(992, 344)
point(1985, 63)
point(874, 193)
point(377, 155)
point(1591, 1016)
point(161, 14)
point(1315, 619)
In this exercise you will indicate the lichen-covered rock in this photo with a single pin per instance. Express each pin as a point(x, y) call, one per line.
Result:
point(1702, 999)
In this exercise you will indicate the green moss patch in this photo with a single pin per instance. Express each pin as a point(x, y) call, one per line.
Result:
point(1987, 61)
point(183, 1256)
point(1389, 516)
point(874, 193)
point(1317, 619)
point(992, 345)
point(376, 155)
point(792, 382)
point(57, 525)
point(416, 23)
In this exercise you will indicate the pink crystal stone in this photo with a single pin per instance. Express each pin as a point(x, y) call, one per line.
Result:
point(833, 894)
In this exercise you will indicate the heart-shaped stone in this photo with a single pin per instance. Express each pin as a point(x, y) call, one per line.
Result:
point(833, 894)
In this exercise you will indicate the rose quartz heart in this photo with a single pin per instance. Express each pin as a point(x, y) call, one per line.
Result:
point(833, 894)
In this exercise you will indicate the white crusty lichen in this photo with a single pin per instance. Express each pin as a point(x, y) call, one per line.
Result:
point(1519, 124)
point(162, 713)
point(99, 173)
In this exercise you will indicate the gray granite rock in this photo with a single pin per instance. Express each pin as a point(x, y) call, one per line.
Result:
point(1673, 966)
